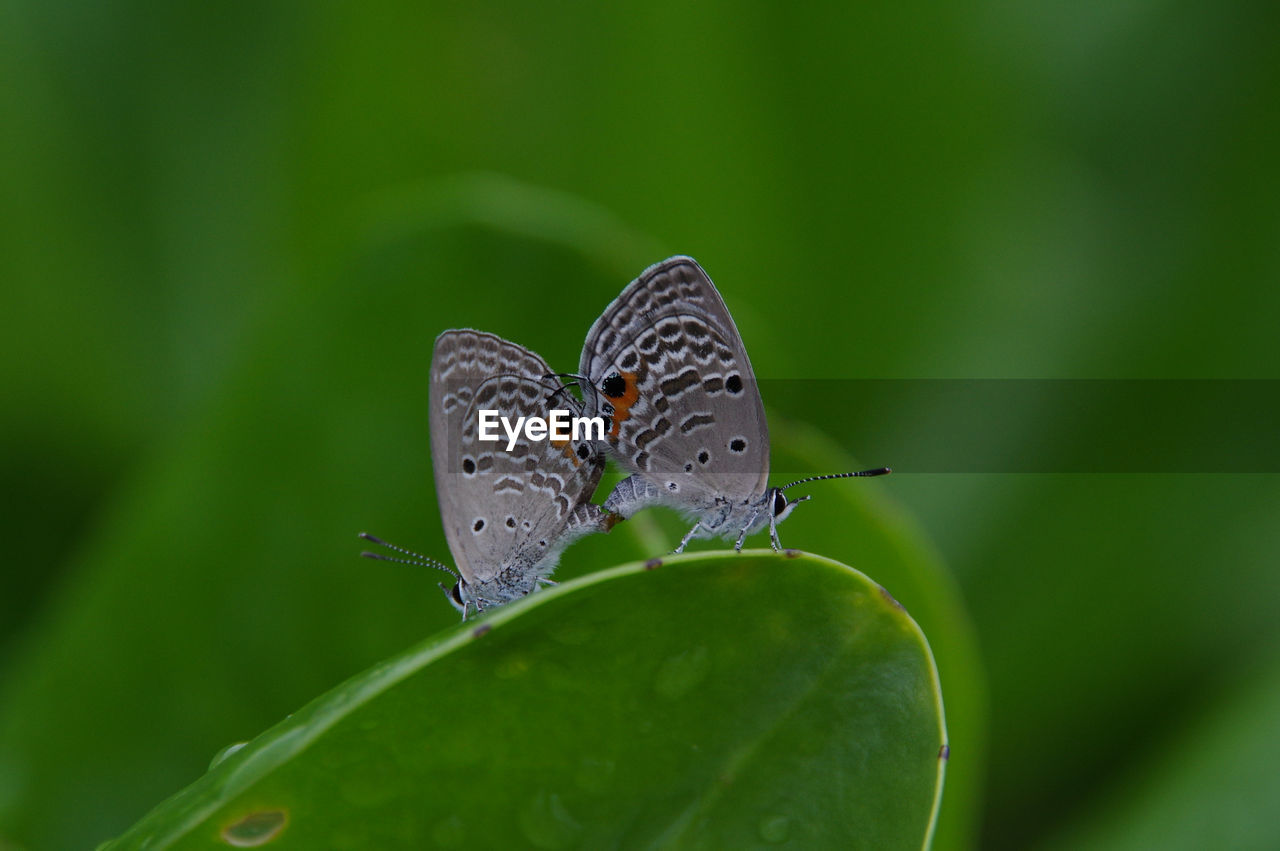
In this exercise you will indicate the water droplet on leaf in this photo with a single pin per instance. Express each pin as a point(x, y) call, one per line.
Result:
point(255, 829)
point(226, 752)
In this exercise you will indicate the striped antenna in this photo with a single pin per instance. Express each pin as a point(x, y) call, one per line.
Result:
point(878, 471)
point(416, 560)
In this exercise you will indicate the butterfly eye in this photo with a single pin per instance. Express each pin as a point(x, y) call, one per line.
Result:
point(456, 594)
point(779, 503)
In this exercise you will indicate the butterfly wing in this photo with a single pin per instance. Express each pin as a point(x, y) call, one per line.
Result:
point(502, 508)
point(686, 410)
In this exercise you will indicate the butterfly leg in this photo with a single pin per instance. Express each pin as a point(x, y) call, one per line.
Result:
point(688, 536)
point(773, 536)
point(742, 536)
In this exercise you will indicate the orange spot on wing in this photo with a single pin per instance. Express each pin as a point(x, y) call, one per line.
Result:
point(622, 404)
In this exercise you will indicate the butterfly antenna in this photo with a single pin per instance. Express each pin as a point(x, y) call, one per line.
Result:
point(878, 471)
point(574, 380)
point(584, 384)
point(563, 388)
point(416, 559)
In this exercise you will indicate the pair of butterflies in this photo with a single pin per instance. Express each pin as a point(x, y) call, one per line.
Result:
point(666, 370)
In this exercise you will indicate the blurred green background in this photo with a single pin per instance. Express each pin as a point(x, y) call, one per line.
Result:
point(231, 232)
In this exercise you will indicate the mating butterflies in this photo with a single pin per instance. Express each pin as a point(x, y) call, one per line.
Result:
point(665, 367)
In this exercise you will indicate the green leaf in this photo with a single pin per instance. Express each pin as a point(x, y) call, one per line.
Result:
point(707, 700)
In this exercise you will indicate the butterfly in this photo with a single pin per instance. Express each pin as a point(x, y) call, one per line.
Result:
point(666, 366)
point(509, 508)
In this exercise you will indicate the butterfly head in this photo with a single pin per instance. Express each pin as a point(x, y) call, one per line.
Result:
point(780, 507)
point(460, 597)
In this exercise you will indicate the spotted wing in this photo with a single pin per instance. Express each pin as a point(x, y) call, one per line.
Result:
point(687, 415)
point(502, 508)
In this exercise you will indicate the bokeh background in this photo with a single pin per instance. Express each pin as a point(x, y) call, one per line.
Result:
point(229, 234)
